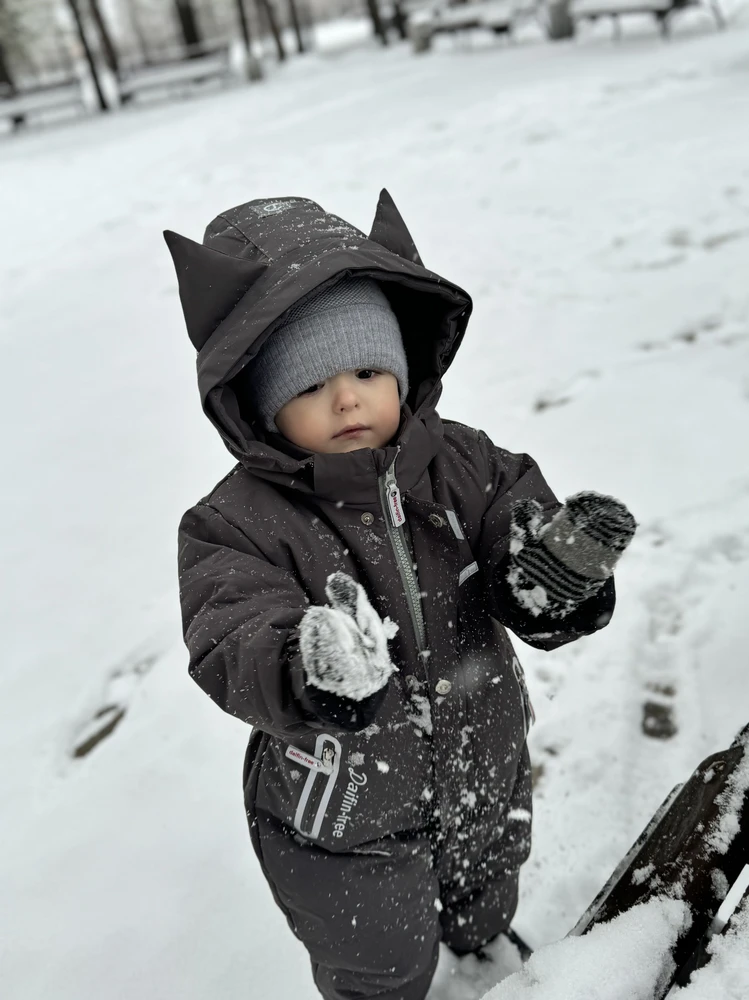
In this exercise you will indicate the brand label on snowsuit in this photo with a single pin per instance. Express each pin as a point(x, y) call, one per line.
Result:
point(306, 760)
point(396, 507)
point(350, 800)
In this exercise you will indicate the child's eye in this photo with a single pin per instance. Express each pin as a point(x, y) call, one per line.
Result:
point(309, 390)
point(366, 373)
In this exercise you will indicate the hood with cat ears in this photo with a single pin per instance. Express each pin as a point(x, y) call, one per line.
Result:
point(260, 258)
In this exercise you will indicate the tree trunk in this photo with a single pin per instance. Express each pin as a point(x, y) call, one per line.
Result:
point(6, 77)
point(138, 31)
point(107, 45)
point(294, 14)
point(188, 23)
point(559, 24)
point(254, 66)
point(75, 11)
point(244, 25)
point(270, 13)
point(400, 19)
point(378, 26)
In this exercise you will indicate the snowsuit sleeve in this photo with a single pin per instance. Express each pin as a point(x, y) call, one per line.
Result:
point(239, 616)
point(511, 477)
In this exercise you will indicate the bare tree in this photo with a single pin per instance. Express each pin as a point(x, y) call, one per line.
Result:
point(6, 77)
point(76, 12)
point(269, 10)
point(107, 45)
point(188, 23)
point(400, 19)
point(297, 25)
point(378, 25)
point(138, 30)
point(254, 67)
point(11, 41)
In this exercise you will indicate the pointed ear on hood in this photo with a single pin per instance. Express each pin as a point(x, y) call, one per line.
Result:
point(210, 284)
point(391, 232)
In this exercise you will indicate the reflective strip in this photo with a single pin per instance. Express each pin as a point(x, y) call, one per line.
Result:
point(467, 572)
point(322, 739)
point(452, 517)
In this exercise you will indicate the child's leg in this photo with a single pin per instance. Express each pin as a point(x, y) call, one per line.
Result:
point(367, 918)
point(479, 881)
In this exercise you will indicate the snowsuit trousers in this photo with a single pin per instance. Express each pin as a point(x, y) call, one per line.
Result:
point(372, 918)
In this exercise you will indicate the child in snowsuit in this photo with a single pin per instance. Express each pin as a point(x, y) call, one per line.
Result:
point(346, 588)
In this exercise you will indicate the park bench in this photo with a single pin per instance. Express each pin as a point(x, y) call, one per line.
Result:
point(175, 75)
point(496, 16)
point(661, 10)
point(18, 105)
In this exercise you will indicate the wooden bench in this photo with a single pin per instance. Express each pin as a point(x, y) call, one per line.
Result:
point(661, 10)
point(28, 102)
point(497, 16)
point(175, 75)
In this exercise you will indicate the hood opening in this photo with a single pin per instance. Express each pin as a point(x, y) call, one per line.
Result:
point(432, 322)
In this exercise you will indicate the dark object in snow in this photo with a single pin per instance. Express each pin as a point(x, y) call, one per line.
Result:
point(102, 725)
point(694, 849)
point(524, 949)
point(658, 720)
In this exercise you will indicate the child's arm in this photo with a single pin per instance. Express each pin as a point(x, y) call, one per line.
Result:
point(512, 478)
point(239, 614)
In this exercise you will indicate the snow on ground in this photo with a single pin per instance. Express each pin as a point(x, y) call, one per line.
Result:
point(594, 198)
point(623, 960)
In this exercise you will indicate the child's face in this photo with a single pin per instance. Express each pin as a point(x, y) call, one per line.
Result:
point(355, 409)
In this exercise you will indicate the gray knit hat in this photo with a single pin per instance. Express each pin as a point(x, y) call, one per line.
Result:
point(347, 326)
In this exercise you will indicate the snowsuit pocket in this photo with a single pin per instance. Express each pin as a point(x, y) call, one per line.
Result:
point(323, 772)
point(340, 791)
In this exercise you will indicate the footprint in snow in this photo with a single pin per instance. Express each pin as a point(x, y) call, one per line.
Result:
point(712, 329)
point(565, 392)
point(658, 720)
point(114, 704)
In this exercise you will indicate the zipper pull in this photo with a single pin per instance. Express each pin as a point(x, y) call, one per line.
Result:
point(393, 494)
point(395, 505)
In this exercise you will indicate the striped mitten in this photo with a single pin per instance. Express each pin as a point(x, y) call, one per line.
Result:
point(555, 567)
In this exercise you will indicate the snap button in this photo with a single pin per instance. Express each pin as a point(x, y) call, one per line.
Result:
point(443, 687)
point(436, 520)
point(367, 518)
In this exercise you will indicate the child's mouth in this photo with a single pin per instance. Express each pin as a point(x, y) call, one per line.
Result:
point(350, 432)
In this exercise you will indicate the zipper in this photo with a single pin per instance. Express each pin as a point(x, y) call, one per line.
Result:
point(395, 519)
point(323, 771)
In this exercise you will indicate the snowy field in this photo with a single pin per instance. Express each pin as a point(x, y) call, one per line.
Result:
point(594, 198)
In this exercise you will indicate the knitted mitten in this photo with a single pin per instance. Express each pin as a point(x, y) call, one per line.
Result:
point(345, 656)
point(555, 567)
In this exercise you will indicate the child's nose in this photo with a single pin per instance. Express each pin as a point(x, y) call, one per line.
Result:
point(346, 398)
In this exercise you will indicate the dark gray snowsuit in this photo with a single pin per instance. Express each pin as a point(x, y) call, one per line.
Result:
point(377, 843)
